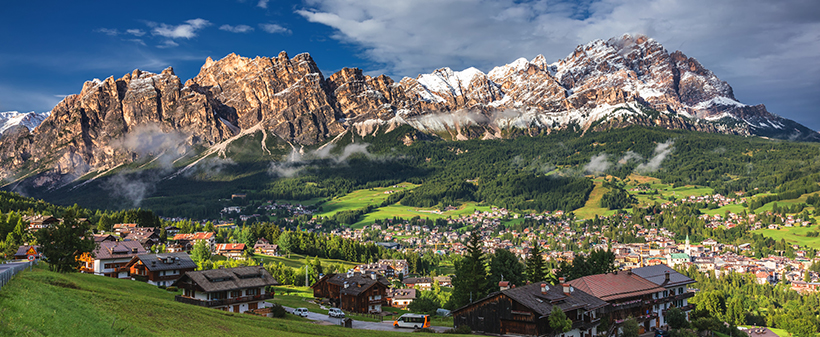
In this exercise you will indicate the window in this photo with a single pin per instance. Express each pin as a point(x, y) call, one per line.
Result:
point(252, 292)
point(236, 293)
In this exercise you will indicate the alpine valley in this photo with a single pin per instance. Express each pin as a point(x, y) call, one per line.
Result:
point(278, 128)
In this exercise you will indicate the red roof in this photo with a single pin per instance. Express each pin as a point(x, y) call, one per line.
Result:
point(230, 246)
point(194, 236)
point(613, 286)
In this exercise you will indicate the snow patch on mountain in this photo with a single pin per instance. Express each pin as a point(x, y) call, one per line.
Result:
point(30, 120)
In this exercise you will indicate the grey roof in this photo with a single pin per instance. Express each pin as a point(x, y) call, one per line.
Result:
point(398, 294)
point(542, 303)
point(414, 280)
point(657, 275)
point(118, 249)
point(167, 261)
point(357, 282)
point(229, 278)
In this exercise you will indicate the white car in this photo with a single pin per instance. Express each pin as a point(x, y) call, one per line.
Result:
point(336, 312)
point(302, 312)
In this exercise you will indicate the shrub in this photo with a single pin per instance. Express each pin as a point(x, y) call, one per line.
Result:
point(427, 330)
point(172, 289)
point(161, 287)
point(278, 310)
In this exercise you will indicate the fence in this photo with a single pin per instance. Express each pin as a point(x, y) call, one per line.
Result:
point(7, 271)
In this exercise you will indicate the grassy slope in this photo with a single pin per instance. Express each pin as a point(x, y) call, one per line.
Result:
point(41, 302)
point(593, 204)
point(361, 198)
point(795, 235)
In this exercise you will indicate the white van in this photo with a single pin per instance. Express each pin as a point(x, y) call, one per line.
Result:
point(415, 321)
point(302, 312)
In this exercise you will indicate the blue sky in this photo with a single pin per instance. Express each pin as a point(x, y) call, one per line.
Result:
point(767, 50)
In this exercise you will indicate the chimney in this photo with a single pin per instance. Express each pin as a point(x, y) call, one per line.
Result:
point(346, 284)
point(561, 280)
point(666, 277)
point(629, 271)
point(504, 285)
point(373, 276)
point(567, 288)
point(544, 288)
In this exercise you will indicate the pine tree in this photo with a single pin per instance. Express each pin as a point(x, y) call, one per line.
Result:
point(536, 266)
point(63, 243)
point(470, 281)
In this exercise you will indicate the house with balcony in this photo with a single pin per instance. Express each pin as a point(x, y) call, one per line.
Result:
point(160, 269)
point(525, 311)
point(187, 241)
point(229, 289)
point(400, 298)
point(356, 292)
point(232, 250)
point(627, 295)
point(676, 289)
point(424, 283)
point(110, 257)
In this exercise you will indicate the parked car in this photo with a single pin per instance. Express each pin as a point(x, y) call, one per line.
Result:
point(302, 312)
point(661, 333)
point(336, 312)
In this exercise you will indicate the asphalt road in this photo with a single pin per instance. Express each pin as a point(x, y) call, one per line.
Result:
point(364, 325)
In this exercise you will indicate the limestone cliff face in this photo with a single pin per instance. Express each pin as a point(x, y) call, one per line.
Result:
point(599, 85)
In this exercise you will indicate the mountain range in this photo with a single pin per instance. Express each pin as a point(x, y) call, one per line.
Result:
point(627, 80)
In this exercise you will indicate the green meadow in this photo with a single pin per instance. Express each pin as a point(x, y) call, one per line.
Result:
point(45, 303)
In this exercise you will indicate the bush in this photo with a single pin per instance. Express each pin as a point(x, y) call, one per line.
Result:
point(278, 310)
point(161, 287)
point(172, 289)
point(463, 329)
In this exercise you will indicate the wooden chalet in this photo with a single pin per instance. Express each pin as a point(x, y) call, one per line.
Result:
point(264, 247)
point(187, 241)
point(160, 269)
point(424, 283)
point(110, 257)
point(525, 311)
point(379, 268)
point(627, 295)
point(147, 238)
point(400, 298)
point(229, 289)
point(104, 237)
point(124, 227)
point(234, 250)
point(37, 222)
point(356, 292)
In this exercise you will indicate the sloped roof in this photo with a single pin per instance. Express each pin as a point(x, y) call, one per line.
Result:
point(166, 261)
point(118, 249)
point(194, 236)
point(229, 278)
point(357, 282)
point(230, 246)
point(401, 294)
point(657, 275)
point(542, 303)
point(415, 280)
point(613, 286)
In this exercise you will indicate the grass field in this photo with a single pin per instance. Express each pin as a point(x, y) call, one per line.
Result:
point(735, 208)
point(42, 303)
point(298, 261)
point(794, 235)
point(790, 202)
point(407, 212)
point(593, 204)
point(361, 198)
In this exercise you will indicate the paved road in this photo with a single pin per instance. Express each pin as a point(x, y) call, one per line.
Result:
point(365, 325)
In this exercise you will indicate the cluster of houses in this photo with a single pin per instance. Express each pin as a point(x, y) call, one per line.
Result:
point(645, 294)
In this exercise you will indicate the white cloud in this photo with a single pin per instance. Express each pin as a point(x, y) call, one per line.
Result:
point(186, 30)
point(236, 29)
point(753, 45)
point(107, 31)
point(274, 28)
point(135, 32)
point(168, 44)
point(262, 4)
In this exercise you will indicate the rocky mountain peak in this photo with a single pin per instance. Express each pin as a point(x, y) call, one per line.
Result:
point(604, 83)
